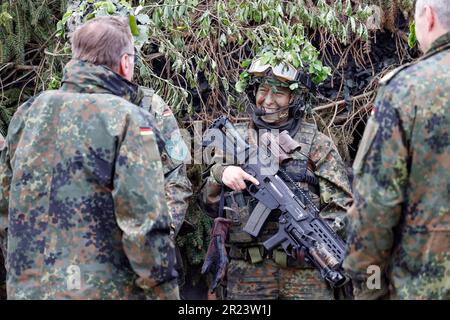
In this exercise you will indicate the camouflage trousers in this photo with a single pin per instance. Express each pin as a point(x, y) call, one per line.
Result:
point(269, 281)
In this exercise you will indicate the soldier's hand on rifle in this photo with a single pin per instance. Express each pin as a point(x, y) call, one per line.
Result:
point(234, 178)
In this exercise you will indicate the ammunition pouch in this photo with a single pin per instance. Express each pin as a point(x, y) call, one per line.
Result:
point(257, 254)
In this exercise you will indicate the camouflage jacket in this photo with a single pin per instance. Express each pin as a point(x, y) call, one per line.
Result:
point(325, 163)
point(177, 186)
point(400, 221)
point(82, 200)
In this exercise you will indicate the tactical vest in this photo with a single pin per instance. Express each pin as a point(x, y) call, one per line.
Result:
point(239, 205)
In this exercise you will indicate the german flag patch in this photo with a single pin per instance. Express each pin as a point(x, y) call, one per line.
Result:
point(167, 112)
point(146, 131)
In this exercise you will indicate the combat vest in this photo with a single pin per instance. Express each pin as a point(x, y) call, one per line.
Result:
point(239, 205)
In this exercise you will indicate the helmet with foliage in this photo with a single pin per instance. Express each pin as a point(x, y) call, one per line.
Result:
point(281, 74)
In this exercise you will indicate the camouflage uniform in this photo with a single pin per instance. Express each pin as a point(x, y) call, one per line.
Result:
point(400, 220)
point(254, 273)
point(82, 200)
point(177, 186)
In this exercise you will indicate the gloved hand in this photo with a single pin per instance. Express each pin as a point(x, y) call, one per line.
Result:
point(216, 259)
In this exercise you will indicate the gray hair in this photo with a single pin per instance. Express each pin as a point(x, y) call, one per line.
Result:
point(102, 41)
point(441, 7)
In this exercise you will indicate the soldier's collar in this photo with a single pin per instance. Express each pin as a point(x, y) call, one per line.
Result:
point(83, 76)
point(441, 43)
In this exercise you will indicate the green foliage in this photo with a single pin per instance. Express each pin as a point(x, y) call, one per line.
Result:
point(23, 21)
point(6, 111)
point(412, 39)
point(211, 38)
point(194, 243)
point(391, 10)
point(26, 30)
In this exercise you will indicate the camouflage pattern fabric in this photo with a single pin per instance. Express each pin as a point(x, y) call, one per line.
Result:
point(82, 200)
point(2, 278)
point(400, 220)
point(177, 186)
point(274, 281)
point(268, 281)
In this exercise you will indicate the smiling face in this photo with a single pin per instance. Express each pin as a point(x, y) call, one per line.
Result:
point(273, 99)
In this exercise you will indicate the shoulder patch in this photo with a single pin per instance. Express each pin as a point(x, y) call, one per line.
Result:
point(167, 112)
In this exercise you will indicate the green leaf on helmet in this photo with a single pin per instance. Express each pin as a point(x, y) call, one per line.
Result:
point(293, 86)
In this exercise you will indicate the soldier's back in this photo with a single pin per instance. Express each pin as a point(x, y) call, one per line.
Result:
point(63, 238)
point(420, 99)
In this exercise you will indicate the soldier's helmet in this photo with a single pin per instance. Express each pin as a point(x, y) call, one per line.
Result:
point(283, 74)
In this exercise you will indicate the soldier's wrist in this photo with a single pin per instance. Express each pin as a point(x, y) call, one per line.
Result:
point(217, 172)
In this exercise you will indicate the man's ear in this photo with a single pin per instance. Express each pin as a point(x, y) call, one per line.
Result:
point(124, 65)
point(430, 18)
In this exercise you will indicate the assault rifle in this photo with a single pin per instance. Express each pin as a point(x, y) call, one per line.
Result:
point(300, 226)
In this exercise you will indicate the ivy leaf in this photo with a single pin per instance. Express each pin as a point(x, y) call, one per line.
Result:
point(110, 7)
point(4, 18)
point(257, 16)
point(225, 83)
point(348, 9)
point(143, 18)
point(142, 38)
point(293, 86)
point(266, 57)
point(353, 24)
point(246, 63)
point(240, 86)
point(222, 40)
point(133, 25)
point(138, 9)
point(412, 39)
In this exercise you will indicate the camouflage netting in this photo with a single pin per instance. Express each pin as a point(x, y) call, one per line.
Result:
point(195, 50)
